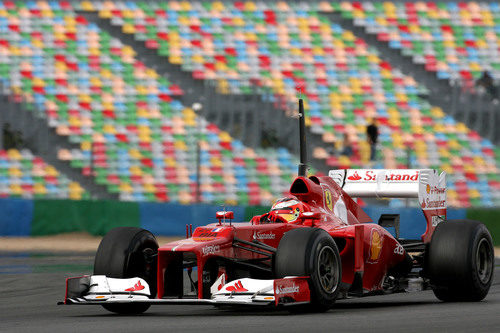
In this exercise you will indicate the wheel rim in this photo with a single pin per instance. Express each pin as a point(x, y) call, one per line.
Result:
point(484, 260)
point(328, 269)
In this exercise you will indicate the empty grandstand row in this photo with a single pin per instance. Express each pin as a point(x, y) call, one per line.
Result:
point(164, 101)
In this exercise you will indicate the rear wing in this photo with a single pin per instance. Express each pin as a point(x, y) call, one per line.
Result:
point(425, 184)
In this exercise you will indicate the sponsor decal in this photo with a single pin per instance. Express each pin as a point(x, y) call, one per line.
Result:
point(207, 234)
point(328, 199)
point(435, 190)
point(210, 249)
point(203, 239)
point(263, 236)
point(217, 230)
point(436, 219)
point(399, 249)
point(237, 288)
point(287, 290)
point(432, 197)
point(427, 203)
point(371, 176)
point(354, 176)
point(138, 286)
point(376, 240)
point(101, 296)
point(291, 290)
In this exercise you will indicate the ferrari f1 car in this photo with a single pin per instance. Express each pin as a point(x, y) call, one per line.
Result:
point(312, 248)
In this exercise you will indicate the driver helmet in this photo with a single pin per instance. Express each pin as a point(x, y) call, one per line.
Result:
point(288, 208)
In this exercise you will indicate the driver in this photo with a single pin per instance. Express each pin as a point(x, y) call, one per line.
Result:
point(289, 208)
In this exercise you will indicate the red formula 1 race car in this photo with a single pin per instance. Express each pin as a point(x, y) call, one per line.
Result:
point(312, 248)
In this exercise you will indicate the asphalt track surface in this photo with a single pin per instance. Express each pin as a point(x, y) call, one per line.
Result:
point(32, 284)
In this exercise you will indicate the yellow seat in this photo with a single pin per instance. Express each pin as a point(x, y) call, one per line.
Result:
point(87, 6)
point(216, 162)
point(109, 129)
point(86, 145)
point(128, 51)
point(74, 121)
point(144, 129)
point(145, 138)
point(454, 144)
point(224, 136)
point(135, 153)
point(169, 161)
point(461, 128)
point(185, 197)
point(474, 194)
point(15, 189)
point(74, 195)
point(85, 98)
point(105, 14)
point(135, 170)
point(128, 28)
point(125, 187)
point(51, 171)
point(39, 188)
point(74, 186)
point(14, 154)
point(218, 6)
point(149, 188)
point(344, 159)
point(451, 194)
point(181, 145)
point(447, 168)
point(15, 172)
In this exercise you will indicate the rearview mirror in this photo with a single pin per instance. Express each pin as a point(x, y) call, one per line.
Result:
point(225, 215)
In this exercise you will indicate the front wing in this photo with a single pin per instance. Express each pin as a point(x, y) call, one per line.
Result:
point(100, 290)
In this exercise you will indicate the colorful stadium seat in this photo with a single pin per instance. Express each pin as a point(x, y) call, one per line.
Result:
point(286, 47)
point(135, 137)
point(27, 176)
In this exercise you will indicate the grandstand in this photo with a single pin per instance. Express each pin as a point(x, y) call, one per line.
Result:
point(23, 175)
point(456, 40)
point(129, 128)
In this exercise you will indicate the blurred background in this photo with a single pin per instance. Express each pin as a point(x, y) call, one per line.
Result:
point(159, 113)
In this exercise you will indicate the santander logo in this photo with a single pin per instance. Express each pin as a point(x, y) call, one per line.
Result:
point(287, 290)
point(390, 176)
point(355, 176)
point(138, 286)
point(237, 288)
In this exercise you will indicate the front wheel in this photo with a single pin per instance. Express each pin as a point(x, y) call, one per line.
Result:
point(127, 252)
point(311, 252)
point(460, 261)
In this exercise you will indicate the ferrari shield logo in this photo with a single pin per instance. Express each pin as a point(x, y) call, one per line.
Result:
point(376, 240)
point(328, 199)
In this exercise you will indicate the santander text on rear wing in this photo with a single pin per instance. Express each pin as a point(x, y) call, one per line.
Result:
point(425, 184)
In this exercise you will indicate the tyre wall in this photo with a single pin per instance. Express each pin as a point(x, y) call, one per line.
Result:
point(19, 217)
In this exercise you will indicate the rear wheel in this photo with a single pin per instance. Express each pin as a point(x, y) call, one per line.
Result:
point(311, 252)
point(128, 252)
point(460, 261)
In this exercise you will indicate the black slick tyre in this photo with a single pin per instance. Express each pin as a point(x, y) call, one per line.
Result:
point(460, 261)
point(127, 252)
point(311, 252)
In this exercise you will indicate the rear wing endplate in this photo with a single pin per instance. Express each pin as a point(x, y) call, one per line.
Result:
point(427, 185)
